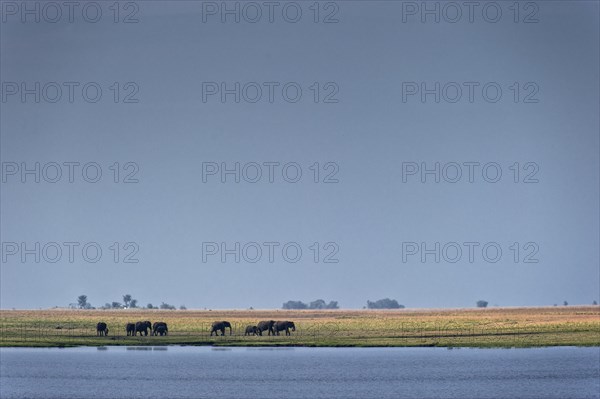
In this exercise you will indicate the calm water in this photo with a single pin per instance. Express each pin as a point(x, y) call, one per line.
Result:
point(204, 372)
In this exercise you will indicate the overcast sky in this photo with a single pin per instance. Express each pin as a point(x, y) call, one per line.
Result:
point(360, 106)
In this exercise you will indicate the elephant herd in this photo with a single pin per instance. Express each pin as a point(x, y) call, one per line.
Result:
point(160, 328)
point(132, 329)
point(273, 327)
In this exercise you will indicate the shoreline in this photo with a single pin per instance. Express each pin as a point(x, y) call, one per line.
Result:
point(449, 328)
point(262, 346)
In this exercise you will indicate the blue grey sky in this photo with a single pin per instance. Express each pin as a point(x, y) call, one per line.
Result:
point(368, 129)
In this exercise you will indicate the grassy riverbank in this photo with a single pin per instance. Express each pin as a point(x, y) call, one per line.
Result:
point(493, 327)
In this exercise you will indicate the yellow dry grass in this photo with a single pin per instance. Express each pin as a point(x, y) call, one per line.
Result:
point(492, 327)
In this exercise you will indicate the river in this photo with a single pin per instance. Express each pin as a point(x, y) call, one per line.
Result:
point(291, 373)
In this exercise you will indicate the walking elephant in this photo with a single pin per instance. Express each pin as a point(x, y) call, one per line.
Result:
point(284, 325)
point(142, 326)
point(266, 325)
point(101, 329)
point(252, 330)
point(130, 328)
point(160, 330)
point(158, 324)
point(220, 326)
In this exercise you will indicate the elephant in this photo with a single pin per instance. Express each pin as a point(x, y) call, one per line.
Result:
point(101, 329)
point(160, 330)
point(142, 326)
point(252, 330)
point(284, 325)
point(130, 328)
point(266, 325)
point(158, 324)
point(220, 326)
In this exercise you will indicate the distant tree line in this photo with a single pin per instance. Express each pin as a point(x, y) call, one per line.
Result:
point(128, 303)
point(318, 304)
point(385, 303)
